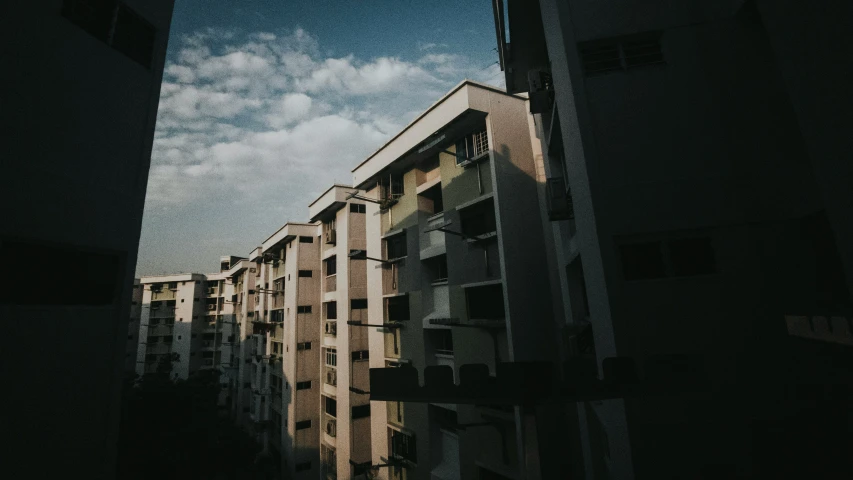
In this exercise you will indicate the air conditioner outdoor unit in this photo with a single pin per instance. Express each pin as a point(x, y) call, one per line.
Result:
point(212, 306)
point(332, 377)
point(331, 427)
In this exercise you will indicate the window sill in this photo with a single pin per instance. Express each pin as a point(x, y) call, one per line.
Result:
point(439, 283)
point(484, 236)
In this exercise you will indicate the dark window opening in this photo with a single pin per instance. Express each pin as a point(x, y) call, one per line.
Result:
point(397, 308)
point(403, 446)
point(303, 309)
point(303, 385)
point(303, 346)
point(361, 411)
point(306, 273)
point(331, 310)
point(331, 265)
point(436, 268)
point(441, 340)
point(486, 302)
point(301, 467)
point(478, 219)
point(93, 16)
point(330, 406)
point(360, 355)
point(303, 424)
point(358, 303)
point(472, 145)
point(357, 208)
point(134, 36)
point(432, 200)
point(395, 246)
point(303, 239)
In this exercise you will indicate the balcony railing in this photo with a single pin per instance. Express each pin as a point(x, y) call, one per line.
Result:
point(331, 283)
point(331, 329)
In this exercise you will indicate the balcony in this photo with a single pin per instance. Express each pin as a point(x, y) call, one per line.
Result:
point(331, 283)
point(331, 329)
point(560, 206)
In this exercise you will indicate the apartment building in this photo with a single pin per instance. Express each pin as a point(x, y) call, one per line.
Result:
point(172, 319)
point(79, 105)
point(457, 274)
point(345, 446)
point(695, 156)
point(287, 334)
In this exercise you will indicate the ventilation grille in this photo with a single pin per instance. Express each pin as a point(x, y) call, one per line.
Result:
point(622, 53)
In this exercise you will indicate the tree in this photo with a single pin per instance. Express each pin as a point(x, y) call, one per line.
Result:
point(176, 429)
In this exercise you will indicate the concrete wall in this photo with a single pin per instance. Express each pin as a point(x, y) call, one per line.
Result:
point(78, 120)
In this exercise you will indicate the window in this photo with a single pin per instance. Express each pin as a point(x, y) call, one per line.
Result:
point(360, 355)
point(195, 300)
point(301, 467)
point(397, 308)
point(331, 357)
point(403, 446)
point(133, 36)
point(182, 300)
point(173, 285)
point(678, 257)
point(306, 273)
point(331, 265)
point(436, 268)
point(303, 346)
point(358, 303)
point(486, 302)
point(361, 411)
point(434, 200)
point(330, 406)
point(303, 239)
point(478, 219)
point(331, 310)
point(622, 53)
point(472, 146)
point(357, 208)
point(93, 16)
point(302, 425)
point(130, 337)
point(303, 309)
point(395, 246)
point(303, 385)
point(442, 341)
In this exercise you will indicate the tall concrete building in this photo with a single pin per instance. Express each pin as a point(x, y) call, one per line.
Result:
point(457, 274)
point(698, 171)
point(133, 328)
point(289, 330)
point(345, 447)
point(79, 92)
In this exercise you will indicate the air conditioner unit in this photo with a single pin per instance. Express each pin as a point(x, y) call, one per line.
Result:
point(212, 306)
point(331, 427)
point(541, 90)
point(331, 236)
point(332, 377)
point(211, 290)
point(253, 270)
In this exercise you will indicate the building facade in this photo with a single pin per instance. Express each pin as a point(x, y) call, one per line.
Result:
point(455, 233)
point(88, 73)
point(345, 446)
point(693, 158)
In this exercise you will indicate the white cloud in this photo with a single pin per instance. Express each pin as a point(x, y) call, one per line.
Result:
point(266, 117)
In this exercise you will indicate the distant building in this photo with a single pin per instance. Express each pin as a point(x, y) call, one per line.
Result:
point(698, 163)
point(81, 86)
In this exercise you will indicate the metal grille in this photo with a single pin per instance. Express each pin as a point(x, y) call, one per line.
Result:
point(481, 143)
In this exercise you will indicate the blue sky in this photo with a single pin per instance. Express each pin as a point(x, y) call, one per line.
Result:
point(265, 103)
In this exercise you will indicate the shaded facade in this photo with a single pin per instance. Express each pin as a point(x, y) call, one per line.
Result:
point(693, 160)
point(81, 89)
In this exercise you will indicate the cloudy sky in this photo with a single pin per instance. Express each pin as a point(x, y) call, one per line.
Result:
point(266, 103)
